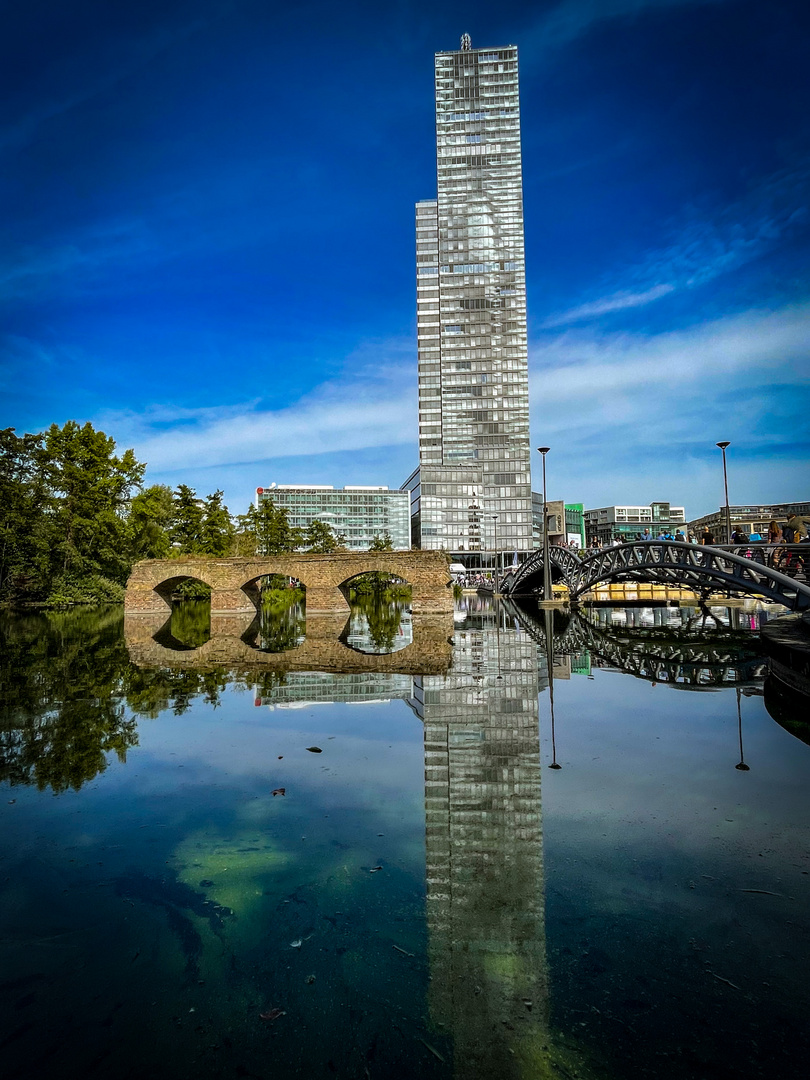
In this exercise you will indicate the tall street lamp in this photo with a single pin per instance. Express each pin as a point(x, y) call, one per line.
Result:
point(495, 520)
point(723, 446)
point(546, 564)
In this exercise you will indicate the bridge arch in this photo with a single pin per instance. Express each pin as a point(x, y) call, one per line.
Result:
point(233, 589)
point(666, 562)
point(684, 662)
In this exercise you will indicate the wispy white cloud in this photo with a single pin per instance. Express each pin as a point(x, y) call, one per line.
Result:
point(373, 405)
point(570, 19)
point(628, 413)
point(701, 247)
point(78, 260)
point(617, 302)
point(584, 366)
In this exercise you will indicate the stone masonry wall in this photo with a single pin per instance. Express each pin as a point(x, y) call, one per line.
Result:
point(232, 581)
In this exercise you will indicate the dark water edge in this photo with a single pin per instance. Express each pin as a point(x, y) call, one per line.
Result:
point(426, 898)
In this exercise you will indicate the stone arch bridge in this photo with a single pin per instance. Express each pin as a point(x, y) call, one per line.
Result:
point(234, 582)
point(769, 571)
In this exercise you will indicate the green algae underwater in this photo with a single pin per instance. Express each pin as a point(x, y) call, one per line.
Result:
point(425, 898)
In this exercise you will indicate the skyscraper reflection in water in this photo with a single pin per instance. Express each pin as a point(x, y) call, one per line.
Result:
point(484, 854)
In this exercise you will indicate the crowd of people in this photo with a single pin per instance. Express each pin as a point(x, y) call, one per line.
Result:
point(794, 531)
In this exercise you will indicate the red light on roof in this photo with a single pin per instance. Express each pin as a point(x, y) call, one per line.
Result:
point(259, 491)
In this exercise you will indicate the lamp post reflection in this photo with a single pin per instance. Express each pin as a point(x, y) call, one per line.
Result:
point(549, 628)
point(741, 766)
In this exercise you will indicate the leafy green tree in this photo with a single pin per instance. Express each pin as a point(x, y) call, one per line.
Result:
point(187, 520)
point(216, 529)
point(25, 536)
point(269, 530)
point(89, 489)
point(382, 542)
point(320, 539)
point(150, 521)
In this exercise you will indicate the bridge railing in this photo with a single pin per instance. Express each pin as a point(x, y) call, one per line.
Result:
point(790, 559)
point(779, 572)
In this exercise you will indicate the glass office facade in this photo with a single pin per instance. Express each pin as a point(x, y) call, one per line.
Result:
point(474, 451)
point(356, 513)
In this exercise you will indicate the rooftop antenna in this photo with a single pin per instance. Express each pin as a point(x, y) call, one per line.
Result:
point(466, 42)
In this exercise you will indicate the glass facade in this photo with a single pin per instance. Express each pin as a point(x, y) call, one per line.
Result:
point(474, 451)
point(356, 513)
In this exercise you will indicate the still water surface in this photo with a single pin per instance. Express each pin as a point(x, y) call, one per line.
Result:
point(426, 897)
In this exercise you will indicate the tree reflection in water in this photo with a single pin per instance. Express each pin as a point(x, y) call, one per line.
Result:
point(190, 623)
point(379, 623)
point(281, 627)
point(61, 677)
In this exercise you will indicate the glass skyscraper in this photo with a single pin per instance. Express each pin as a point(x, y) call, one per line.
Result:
point(474, 451)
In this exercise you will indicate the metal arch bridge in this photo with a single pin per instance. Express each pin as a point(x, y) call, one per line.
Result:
point(696, 662)
point(745, 569)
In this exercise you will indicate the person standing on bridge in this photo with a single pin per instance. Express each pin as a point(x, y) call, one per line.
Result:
point(707, 537)
point(774, 532)
point(798, 529)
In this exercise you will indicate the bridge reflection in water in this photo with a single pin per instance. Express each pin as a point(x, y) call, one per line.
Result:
point(478, 701)
point(235, 643)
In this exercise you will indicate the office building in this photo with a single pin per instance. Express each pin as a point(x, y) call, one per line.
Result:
point(748, 519)
point(630, 522)
point(324, 688)
point(565, 522)
point(357, 514)
point(474, 452)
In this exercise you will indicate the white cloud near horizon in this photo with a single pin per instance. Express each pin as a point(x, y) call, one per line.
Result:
point(583, 366)
point(374, 404)
point(630, 416)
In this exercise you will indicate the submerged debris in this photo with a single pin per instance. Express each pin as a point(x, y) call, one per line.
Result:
point(432, 1049)
point(272, 1014)
point(728, 982)
point(296, 944)
point(314, 749)
point(279, 791)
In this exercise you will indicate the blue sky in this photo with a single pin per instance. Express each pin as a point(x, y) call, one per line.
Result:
point(206, 236)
